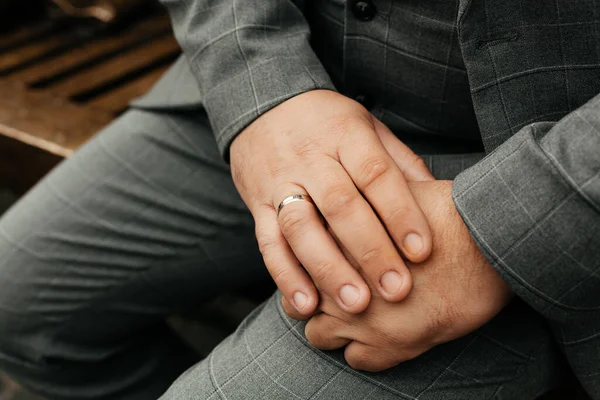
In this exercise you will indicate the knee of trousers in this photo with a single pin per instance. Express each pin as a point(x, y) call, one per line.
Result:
point(24, 338)
point(27, 322)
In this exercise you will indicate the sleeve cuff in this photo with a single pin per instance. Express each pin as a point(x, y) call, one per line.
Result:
point(249, 95)
point(532, 226)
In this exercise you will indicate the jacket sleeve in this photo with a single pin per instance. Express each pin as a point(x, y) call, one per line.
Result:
point(246, 56)
point(533, 207)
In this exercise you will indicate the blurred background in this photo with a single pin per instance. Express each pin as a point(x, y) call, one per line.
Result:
point(67, 68)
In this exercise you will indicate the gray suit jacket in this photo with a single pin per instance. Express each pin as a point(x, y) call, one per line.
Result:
point(531, 71)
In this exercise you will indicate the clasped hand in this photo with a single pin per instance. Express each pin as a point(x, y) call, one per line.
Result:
point(341, 257)
point(331, 148)
point(454, 292)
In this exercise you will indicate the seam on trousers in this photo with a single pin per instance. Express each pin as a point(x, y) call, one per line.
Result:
point(255, 360)
point(243, 327)
point(213, 380)
point(431, 385)
point(524, 363)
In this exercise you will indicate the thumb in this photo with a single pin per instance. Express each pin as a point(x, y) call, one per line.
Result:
point(412, 166)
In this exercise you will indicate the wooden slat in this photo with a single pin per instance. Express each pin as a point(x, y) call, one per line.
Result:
point(113, 69)
point(92, 50)
point(117, 100)
point(22, 165)
point(38, 48)
point(26, 34)
point(46, 122)
point(47, 69)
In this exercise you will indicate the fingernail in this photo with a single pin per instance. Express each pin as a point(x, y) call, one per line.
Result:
point(413, 243)
point(349, 295)
point(300, 300)
point(391, 282)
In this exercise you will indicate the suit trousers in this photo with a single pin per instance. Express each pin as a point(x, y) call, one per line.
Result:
point(144, 221)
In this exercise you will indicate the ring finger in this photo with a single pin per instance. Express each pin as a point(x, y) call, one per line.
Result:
point(317, 251)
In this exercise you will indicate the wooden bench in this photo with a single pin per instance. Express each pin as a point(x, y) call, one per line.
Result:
point(62, 81)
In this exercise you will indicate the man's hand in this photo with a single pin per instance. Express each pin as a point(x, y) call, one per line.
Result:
point(325, 145)
point(454, 292)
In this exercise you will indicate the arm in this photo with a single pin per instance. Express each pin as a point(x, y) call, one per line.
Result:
point(247, 57)
point(245, 72)
point(455, 291)
point(533, 207)
point(259, 78)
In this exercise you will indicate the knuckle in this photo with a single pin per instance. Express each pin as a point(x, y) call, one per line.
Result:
point(277, 168)
point(398, 215)
point(349, 121)
point(372, 170)
point(306, 147)
point(292, 222)
point(337, 200)
point(371, 256)
point(418, 161)
point(266, 243)
point(281, 276)
point(340, 124)
point(321, 273)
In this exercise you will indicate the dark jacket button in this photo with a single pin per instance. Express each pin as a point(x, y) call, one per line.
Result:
point(364, 10)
